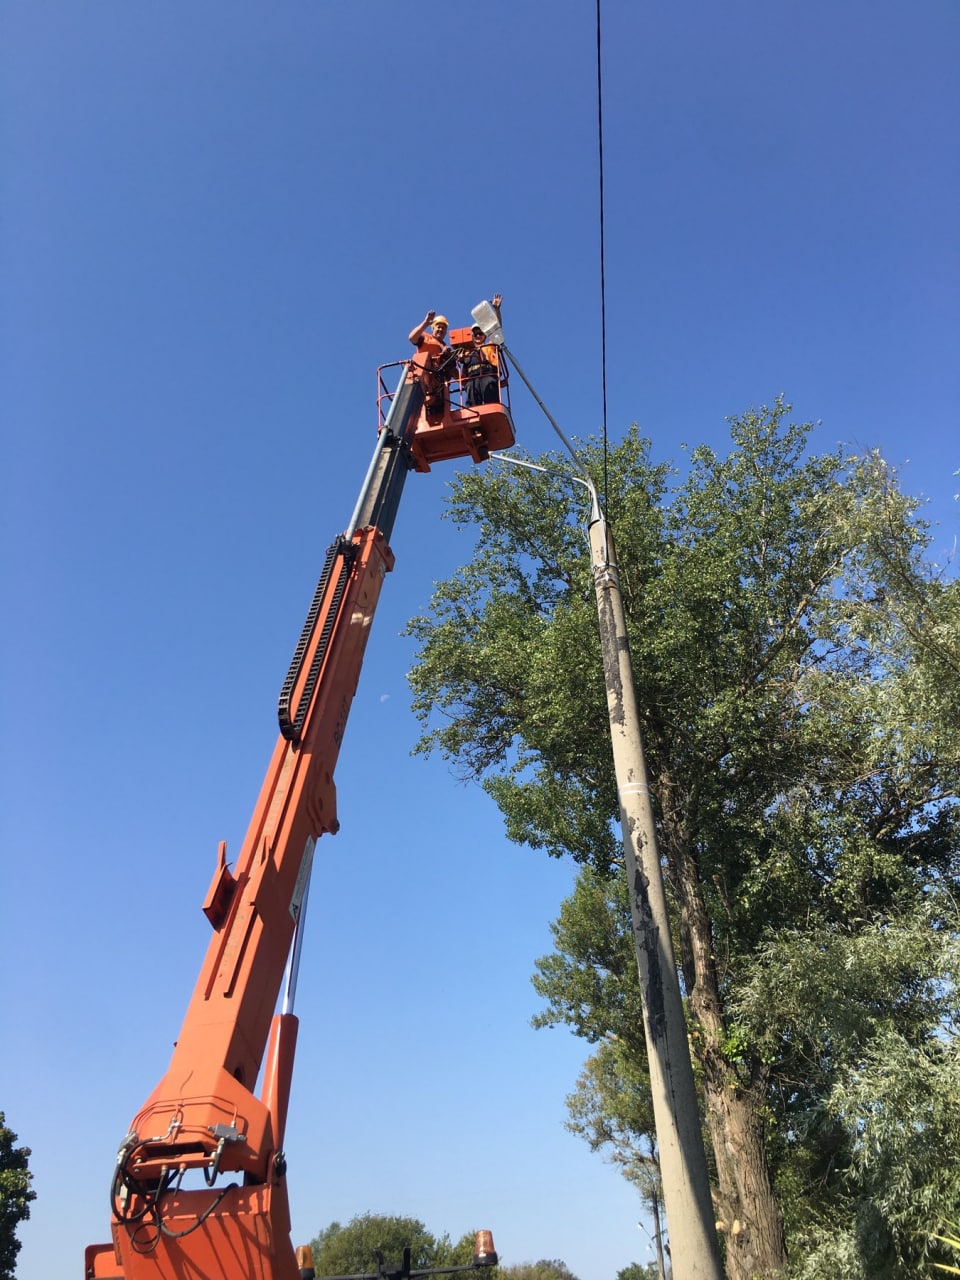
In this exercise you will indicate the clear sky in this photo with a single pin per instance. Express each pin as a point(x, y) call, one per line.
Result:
point(216, 221)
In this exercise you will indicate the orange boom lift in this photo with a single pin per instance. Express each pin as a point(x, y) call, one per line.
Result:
point(204, 1123)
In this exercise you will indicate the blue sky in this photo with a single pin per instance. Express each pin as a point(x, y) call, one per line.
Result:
point(216, 221)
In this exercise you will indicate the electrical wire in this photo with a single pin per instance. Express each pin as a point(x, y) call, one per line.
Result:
point(603, 272)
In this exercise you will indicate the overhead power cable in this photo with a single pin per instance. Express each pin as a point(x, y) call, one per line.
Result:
point(603, 280)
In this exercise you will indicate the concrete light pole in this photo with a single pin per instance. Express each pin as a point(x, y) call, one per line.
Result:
point(694, 1252)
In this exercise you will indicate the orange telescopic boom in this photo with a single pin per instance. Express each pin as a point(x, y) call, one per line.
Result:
point(199, 1189)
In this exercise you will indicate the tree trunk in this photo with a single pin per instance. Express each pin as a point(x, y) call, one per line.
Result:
point(748, 1213)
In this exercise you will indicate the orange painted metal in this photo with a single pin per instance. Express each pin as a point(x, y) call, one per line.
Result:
point(204, 1114)
point(455, 431)
point(245, 1235)
point(205, 1121)
point(461, 433)
point(278, 1068)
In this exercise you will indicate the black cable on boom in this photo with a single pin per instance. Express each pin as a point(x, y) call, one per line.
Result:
point(603, 281)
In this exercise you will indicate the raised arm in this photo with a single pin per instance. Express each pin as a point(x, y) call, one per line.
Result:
point(417, 333)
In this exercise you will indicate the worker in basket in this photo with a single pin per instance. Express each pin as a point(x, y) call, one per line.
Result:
point(480, 366)
point(437, 364)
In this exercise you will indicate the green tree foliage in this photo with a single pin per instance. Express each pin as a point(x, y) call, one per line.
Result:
point(637, 1272)
point(352, 1249)
point(461, 1252)
point(16, 1194)
point(796, 659)
point(611, 1109)
point(589, 981)
point(552, 1269)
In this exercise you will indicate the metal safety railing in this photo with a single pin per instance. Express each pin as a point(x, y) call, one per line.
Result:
point(457, 385)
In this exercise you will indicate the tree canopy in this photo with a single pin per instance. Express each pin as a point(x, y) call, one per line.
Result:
point(637, 1272)
point(545, 1269)
point(796, 656)
point(16, 1194)
point(352, 1249)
